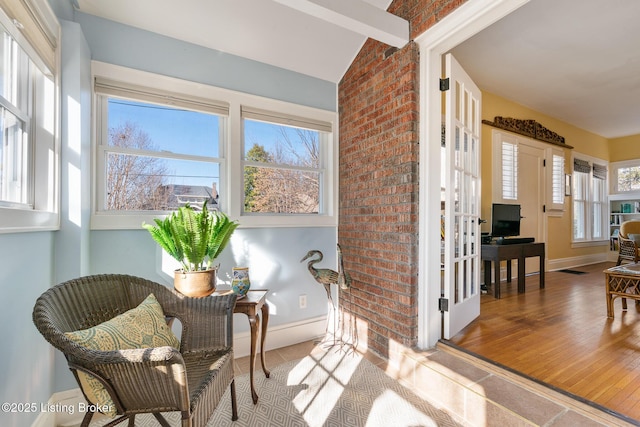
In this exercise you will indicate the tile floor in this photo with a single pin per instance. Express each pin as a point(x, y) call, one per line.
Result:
point(463, 384)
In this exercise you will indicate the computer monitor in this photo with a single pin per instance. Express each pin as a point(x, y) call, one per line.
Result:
point(505, 220)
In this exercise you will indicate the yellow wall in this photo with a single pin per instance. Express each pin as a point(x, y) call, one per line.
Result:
point(625, 148)
point(559, 228)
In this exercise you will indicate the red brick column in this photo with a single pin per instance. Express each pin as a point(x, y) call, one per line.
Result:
point(379, 150)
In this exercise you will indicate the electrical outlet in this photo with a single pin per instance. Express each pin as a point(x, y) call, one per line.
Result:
point(303, 301)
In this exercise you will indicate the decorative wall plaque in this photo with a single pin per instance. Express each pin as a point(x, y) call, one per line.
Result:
point(529, 128)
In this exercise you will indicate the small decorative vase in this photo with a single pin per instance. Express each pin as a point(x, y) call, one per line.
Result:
point(240, 282)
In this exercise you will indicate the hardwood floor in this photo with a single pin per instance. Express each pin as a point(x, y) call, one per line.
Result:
point(561, 335)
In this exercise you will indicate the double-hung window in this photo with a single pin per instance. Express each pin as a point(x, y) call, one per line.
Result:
point(283, 163)
point(589, 199)
point(28, 120)
point(162, 142)
point(157, 151)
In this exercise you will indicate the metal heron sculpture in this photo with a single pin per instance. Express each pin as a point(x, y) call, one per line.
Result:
point(327, 277)
point(344, 279)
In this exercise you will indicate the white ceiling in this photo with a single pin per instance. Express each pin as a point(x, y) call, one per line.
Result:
point(575, 60)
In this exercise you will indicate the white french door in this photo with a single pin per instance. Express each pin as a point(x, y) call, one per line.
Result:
point(461, 165)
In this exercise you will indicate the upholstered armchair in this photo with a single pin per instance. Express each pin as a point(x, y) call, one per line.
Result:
point(113, 331)
point(630, 228)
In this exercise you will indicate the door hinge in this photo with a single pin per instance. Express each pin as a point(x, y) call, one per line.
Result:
point(444, 84)
point(443, 304)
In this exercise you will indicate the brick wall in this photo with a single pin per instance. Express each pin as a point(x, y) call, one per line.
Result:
point(379, 148)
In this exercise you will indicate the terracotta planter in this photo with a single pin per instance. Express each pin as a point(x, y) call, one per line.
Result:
point(195, 283)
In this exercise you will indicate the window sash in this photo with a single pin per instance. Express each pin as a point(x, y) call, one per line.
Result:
point(590, 205)
point(29, 96)
point(278, 199)
point(169, 192)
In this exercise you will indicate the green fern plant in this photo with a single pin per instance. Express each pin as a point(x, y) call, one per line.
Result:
point(193, 238)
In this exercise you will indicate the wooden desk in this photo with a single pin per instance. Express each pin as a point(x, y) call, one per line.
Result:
point(249, 305)
point(496, 253)
point(622, 282)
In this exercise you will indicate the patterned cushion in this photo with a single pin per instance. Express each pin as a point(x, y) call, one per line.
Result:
point(140, 327)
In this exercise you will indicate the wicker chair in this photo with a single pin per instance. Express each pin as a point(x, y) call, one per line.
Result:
point(628, 248)
point(191, 380)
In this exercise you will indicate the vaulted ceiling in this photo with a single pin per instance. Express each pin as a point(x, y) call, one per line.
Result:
point(575, 60)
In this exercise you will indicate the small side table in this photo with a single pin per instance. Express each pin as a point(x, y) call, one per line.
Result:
point(249, 305)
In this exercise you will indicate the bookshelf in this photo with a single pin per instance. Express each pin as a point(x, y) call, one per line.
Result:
point(622, 207)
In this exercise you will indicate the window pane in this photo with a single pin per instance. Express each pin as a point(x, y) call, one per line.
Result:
point(278, 190)
point(598, 231)
point(162, 128)
point(290, 181)
point(282, 145)
point(8, 66)
point(152, 183)
point(629, 178)
point(578, 220)
point(13, 159)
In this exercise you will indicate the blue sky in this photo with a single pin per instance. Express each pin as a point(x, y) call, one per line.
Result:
point(189, 132)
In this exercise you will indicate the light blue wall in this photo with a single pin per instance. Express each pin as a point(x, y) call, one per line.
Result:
point(273, 255)
point(71, 256)
point(143, 50)
point(26, 373)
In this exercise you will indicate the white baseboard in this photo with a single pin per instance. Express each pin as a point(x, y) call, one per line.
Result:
point(571, 262)
point(282, 335)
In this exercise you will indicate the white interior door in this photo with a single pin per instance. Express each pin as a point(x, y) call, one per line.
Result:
point(462, 199)
point(530, 196)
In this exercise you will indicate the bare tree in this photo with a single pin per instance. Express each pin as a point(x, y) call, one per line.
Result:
point(629, 179)
point(134, 182)
point(284, 189)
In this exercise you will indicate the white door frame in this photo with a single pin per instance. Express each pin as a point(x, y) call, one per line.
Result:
point(464, 22)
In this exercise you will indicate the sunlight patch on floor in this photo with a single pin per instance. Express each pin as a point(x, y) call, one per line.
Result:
point(324, 379)
point(389, 407)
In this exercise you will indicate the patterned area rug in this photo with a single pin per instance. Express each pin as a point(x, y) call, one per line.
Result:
point(327, 388)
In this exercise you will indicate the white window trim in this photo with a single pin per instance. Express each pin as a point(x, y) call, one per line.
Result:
point(498, 137)
point(613, 177)
point(587, 242)
point(45, 142)
point(231, 170)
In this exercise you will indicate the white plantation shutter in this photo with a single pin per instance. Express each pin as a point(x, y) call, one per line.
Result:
point(509, 171)
point(555, 178)
point(557, 186)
